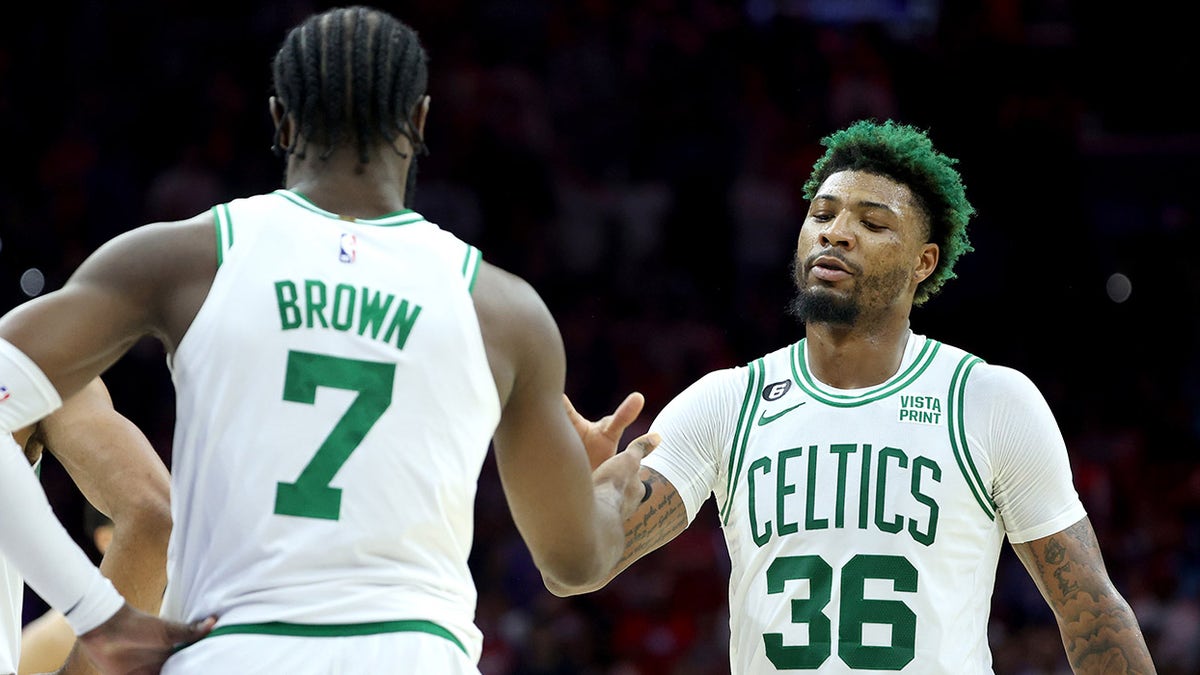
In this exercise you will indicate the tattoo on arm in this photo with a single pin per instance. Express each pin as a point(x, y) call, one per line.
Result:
point(658, 521)
point(1098, 627)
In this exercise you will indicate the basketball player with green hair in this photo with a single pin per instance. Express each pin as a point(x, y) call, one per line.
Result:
point(867, 475)
point(341, 367)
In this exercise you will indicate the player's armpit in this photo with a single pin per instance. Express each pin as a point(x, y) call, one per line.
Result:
point(1099, 630)
point(659, 520)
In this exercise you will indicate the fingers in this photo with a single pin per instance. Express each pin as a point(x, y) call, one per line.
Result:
point(185, 634)
point(643, 445)
point(624, 415)
point(571, 412)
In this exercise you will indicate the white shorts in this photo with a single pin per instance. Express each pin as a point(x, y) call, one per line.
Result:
point(385, 653)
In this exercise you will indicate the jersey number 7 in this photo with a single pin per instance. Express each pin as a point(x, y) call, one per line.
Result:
point(312, 496)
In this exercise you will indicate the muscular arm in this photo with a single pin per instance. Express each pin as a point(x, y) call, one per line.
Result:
point(148, 281)
point(119, 472)
point(657, 521)
point(1099, 630)
point(571, 523)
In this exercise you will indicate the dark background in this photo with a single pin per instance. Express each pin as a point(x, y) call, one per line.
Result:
point(640, 163)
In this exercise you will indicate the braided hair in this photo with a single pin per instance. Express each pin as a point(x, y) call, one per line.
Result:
point(351, 75)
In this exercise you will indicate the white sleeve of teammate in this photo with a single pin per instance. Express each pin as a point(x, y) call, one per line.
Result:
point(1031, 472)
point(30, 535)
point(695, 426)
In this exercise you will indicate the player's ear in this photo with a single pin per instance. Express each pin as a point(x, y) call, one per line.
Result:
point(284, 131)
point(927, 262)
point(419, 114)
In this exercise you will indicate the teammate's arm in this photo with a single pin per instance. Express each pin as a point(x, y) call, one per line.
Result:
point(1098, 627)
point(120, 473)
point(52, 347)
point(658, 520)
point(570, 519)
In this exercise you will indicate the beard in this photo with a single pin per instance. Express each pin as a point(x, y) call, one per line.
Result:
point(815, 303)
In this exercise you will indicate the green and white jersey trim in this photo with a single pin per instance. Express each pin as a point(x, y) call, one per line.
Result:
point(958, 435)
point(338, 630)
point(741, 434)
point(403, 217)
point(806, 382)
point(470, 266)
point(224, 226)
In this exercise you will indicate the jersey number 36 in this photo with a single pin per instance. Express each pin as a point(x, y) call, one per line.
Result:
point(855, 611)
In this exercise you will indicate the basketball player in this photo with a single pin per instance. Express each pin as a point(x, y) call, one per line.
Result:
point(866, 476)
point(341, 366)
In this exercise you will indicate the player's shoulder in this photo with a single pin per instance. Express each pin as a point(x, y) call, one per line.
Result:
point(998, 381)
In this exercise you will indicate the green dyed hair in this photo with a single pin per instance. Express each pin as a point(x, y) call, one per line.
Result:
point(906, 155)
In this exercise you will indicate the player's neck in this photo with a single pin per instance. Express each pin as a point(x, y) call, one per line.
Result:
point(853, 357)
point(343, 185)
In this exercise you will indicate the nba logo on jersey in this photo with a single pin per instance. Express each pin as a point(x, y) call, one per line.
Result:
point(4, 394)
point(348, 248)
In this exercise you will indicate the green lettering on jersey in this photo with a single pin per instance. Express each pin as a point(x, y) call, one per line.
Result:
point(340, 309)
point(372, 313)
point(402, 324)
point(864, 487)
point(343, 303)
point(314, 299)
point(784, 488)
point(935, 472)
point(289, 310)
point(810, 503)
point(775, 502)
point(881, 489)
point(842, 450)
point(762, 464)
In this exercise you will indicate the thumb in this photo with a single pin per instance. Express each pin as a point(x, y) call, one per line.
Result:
point(643, 445)
point(185, 634)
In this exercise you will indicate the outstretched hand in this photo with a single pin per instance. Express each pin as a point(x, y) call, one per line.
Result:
point(135, 643)
point(622, 471)
point(600, 438)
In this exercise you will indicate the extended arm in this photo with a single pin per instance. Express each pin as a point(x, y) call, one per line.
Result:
point(1099, 630)
point(657, 521)
point(570, 520)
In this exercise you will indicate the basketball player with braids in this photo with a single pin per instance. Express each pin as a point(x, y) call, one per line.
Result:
point(867, 476)
point(341, 367)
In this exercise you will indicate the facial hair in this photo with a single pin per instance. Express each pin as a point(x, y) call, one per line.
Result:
point(813, 303)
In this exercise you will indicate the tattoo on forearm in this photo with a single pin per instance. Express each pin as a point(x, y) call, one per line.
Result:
point(1067, 586)
point(660, 519)
point(1099, 630)
point(1055, 552)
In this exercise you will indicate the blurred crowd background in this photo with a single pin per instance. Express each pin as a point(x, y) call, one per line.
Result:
point(640, 163)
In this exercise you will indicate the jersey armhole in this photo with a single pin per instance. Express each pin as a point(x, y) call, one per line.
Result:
point(223, 223)
point(470, 267)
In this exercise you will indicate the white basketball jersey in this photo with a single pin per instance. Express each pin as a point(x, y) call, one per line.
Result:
point(863, 526)
point(335, 406)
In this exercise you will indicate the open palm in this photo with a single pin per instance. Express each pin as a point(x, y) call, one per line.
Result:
point(600, 438)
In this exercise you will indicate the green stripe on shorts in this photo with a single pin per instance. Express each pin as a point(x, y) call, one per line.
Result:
point(337, 630)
